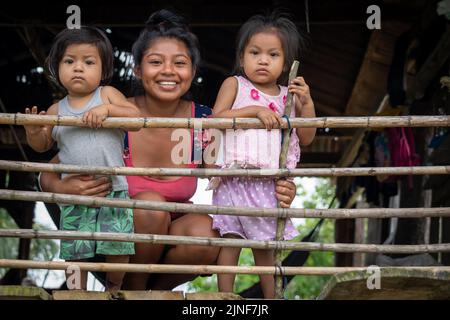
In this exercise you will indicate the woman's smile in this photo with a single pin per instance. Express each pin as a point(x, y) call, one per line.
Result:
point(167, 85)
point(166, 68)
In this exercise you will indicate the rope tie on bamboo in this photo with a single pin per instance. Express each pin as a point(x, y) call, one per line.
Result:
point(234, 124)
point(282, 214)
point(145, 122)
point(15, 118)
point(289, 127)
point(189, 123)
point(280, 273)
point(288, 122)
point(368, 122)
point(409, 121)
point(58, 120)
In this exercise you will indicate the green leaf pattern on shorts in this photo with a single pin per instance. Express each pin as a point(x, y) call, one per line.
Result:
point(104, 219)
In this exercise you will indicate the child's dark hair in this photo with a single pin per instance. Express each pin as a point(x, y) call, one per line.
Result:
point(278, 22)
point(166, 24)
point(88, 35)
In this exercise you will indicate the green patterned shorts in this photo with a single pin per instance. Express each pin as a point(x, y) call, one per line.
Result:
point(103, 219)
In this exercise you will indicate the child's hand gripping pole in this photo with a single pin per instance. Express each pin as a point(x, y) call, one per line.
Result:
point(281, 222)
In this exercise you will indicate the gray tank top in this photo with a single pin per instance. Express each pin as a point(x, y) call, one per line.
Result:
point(90, 147)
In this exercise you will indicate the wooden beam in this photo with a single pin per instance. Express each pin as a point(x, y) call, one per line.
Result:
point(371, 83)
point(430, 68)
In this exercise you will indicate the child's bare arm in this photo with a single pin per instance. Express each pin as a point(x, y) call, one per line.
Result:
point(39, 137)
point(304, 107)
point(117, 106)
point(225, 99)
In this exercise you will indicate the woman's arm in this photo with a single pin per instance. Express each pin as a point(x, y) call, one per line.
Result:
point(74, 184)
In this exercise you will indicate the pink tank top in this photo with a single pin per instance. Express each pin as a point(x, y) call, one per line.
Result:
point(177, 190)
point(257, 147)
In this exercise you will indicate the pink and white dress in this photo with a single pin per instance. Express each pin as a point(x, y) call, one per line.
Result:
point(253, 148)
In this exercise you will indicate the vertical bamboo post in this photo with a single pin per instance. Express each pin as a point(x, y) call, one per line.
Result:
point(281, 222)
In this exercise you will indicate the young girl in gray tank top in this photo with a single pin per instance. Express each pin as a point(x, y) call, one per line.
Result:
point(79, 61)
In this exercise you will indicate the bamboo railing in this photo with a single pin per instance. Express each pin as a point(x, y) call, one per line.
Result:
point(192, 269)
point(310, 172)
point(230, 123)
point(224, 210)
point(224, 242)
point(238, 123)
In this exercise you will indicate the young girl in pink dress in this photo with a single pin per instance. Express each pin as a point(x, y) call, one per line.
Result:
point(266, 48)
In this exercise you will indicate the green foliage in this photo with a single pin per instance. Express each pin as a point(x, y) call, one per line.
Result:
point(40, 249)
point(44, 250)
point(309, 287)
point(8, 246)
point(303, 287)
point(322, 196)
point(202, 284)
point(244, 281)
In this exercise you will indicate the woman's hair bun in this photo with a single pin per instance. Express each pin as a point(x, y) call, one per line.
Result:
point(165, 19)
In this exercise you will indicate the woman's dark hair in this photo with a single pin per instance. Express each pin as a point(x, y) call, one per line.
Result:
point(166, 24)
point(277, 22)
point(88, 35)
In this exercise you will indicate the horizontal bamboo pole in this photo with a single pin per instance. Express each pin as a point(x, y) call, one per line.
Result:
point(234, 211)
point(222, 242)
point(194, 269)
point(310, 172)
point(228, 123)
